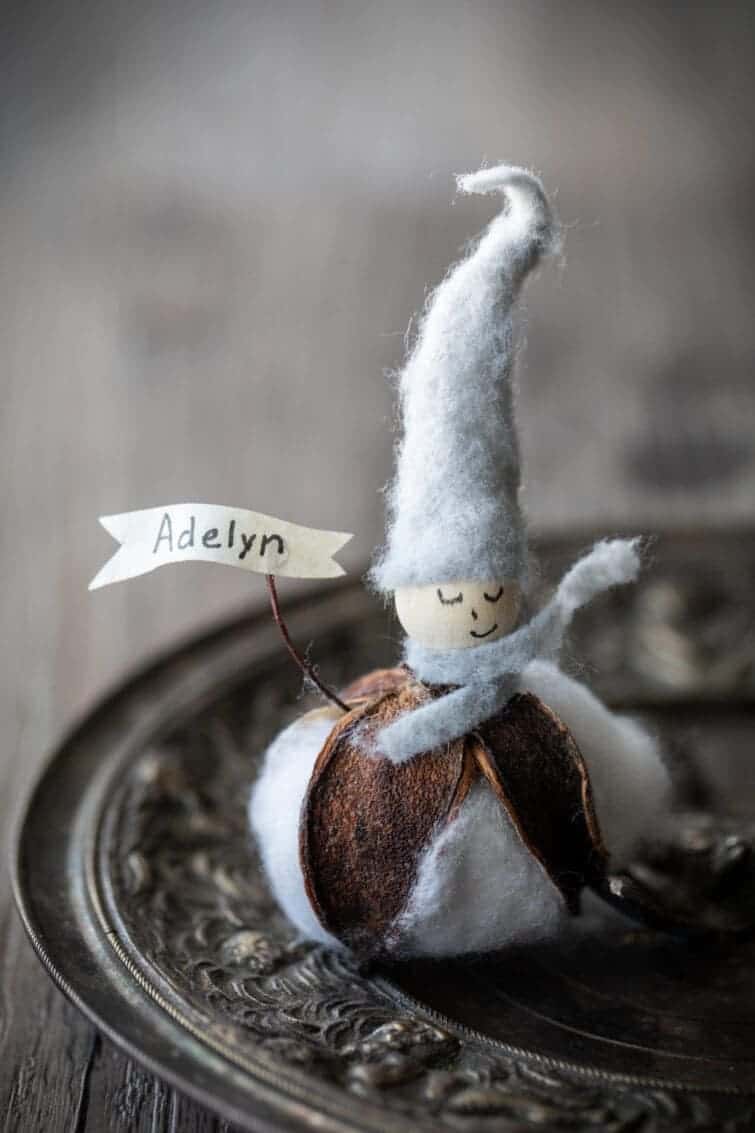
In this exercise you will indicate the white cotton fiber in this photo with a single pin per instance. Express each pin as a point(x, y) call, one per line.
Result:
point(631, 786)
point(274, 810)
point(478, 888)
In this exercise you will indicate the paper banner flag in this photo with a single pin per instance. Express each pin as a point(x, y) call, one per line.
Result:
point(214, 534)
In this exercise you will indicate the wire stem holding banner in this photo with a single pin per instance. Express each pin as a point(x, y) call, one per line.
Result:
point(304, 665)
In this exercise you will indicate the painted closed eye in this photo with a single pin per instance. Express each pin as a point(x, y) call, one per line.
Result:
point(450, 601)
point(493, 597)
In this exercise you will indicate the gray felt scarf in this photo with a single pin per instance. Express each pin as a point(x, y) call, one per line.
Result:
point(488, 675)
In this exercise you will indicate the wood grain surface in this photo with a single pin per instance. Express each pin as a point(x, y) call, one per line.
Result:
point(215, 223)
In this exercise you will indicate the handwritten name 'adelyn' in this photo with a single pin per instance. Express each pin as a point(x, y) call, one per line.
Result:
point(211, 538)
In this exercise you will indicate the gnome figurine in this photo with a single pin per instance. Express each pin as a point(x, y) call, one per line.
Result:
point(466, 798)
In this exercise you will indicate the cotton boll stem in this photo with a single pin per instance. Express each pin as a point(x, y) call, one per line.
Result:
point(304, 665)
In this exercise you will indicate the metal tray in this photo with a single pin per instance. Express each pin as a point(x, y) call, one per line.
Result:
point(142, 894)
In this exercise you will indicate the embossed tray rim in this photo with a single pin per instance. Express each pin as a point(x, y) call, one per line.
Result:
point(238, 646)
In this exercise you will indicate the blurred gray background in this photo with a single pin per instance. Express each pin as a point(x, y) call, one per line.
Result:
point(216, 220)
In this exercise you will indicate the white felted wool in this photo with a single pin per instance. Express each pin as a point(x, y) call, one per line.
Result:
point(478, 888)
point(274, 809)
point(612, 562)
point(631, 786)
point(443, 720)
point(454, 507)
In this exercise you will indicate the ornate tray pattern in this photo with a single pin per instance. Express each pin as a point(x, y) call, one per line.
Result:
point(143, 894)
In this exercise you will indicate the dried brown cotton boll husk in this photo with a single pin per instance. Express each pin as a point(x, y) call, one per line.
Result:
point(375, 683)
point(541, 779)
point(367, 821)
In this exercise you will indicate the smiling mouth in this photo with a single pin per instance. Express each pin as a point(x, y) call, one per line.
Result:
point(487, 632)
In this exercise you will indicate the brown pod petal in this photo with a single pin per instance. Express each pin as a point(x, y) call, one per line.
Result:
point(540, 777)
point(366, 820)
point(374, 684)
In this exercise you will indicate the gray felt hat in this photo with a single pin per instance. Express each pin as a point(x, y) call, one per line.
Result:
point(454, 509)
